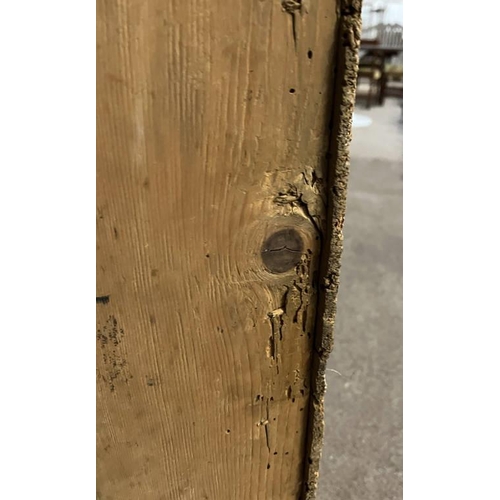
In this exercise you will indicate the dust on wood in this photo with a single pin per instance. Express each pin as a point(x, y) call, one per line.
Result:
point(212, 136)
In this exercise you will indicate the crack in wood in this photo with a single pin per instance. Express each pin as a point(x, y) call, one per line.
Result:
point(276, 319)
point(291, 7)
point(266, 427)
point(296, 201)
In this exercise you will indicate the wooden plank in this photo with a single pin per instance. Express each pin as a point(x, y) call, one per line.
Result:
point(212, 140)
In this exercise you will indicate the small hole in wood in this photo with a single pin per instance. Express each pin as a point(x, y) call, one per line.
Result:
point(103, 299)
point(310, 54)
point(292, 91)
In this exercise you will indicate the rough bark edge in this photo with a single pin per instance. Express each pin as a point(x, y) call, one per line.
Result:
point(344, 95)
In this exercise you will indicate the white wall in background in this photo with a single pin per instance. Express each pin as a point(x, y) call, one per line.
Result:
point(392, 12)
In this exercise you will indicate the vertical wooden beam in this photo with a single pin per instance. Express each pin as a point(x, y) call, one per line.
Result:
point(214, 202)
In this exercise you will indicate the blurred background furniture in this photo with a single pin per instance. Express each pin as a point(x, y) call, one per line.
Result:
point(371, 66)
point(381, 55)
point(391, 82)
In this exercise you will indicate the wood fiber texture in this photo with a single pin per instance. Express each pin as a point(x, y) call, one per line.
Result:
point(219, 181)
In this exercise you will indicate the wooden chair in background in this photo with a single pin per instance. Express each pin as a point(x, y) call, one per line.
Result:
point(370, 72)
point(391, 84)
point(381, 63)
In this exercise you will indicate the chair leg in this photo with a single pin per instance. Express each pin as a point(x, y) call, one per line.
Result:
point(382, 89)
point(369, 97)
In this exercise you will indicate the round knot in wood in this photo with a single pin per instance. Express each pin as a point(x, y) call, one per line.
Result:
point(282, 250)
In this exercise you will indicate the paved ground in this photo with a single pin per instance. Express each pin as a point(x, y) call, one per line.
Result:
point(362, 456)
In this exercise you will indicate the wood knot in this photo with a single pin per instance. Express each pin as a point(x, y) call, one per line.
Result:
point(282, 250)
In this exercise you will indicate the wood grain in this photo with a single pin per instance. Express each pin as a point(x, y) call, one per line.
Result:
point(212, 133)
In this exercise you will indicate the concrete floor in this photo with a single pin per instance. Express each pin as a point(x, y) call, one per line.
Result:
point(362, 455)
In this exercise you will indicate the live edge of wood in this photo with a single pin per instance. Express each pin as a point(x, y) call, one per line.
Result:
point(344, 99)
